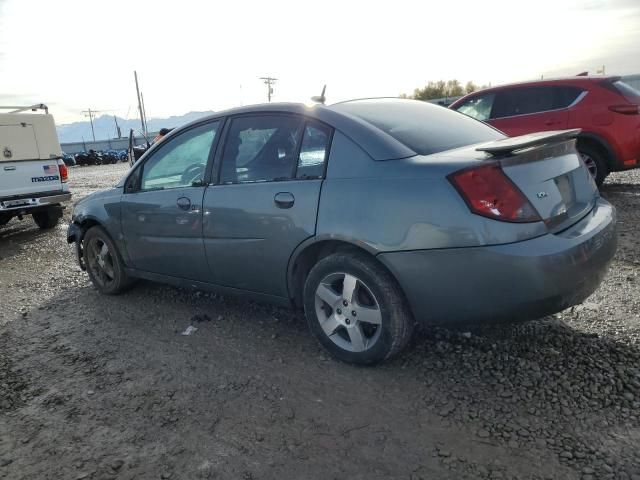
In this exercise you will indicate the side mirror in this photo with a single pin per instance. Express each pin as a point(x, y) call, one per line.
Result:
point(133, 182)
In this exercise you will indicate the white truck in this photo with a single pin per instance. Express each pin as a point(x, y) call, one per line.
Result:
point(33, 177)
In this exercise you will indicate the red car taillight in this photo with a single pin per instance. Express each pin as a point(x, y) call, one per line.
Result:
point(628, 109)
point(64, 172)
point(490, 193)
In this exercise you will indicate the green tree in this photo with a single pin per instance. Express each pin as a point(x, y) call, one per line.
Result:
point(470, 87)
point(442, 89)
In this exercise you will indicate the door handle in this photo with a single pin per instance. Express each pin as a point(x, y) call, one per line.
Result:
point(284, 200)
point(551, 122)
point(184, 203)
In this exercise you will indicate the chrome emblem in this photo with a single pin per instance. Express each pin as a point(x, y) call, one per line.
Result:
point(541, 194)
point(7, 152)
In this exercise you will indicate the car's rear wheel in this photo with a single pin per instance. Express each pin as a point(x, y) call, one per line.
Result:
point(104, 263)
point(46, 219)
point(595, 162)
point(356, 309)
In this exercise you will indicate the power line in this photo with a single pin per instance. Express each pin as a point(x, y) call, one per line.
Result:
point(269, 82)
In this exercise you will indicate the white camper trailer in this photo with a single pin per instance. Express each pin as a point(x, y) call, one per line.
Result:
point(33, 177)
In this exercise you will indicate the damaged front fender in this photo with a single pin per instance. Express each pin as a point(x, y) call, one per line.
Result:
point(75, 234)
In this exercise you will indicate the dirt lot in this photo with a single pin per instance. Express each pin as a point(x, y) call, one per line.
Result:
point(95, 387)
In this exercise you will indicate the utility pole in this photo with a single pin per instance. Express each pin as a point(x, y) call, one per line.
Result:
point(118, 132)
point(269, 82)
point(144, 129)
point(144, 112)
point(90, 113)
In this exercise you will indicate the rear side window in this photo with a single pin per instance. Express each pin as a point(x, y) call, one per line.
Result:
point(261, 149)
point(421, 126)
point(530, 100)
point(522, 101)
point(563, 97)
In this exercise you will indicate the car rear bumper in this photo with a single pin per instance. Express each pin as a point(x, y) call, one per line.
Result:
point(514, 282)
point(27, 203)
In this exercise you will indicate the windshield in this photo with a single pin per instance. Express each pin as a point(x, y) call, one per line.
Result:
point(423, 127)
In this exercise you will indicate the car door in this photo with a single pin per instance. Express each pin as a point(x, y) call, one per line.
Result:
point(517, 111)
point(161, 208)
point(266, 200)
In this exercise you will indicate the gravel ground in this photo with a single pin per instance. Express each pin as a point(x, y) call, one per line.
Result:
point(95, 387)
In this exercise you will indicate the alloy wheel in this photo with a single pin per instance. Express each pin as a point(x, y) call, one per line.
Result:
point(101, 262)
point(590, 163)
point(348, 312)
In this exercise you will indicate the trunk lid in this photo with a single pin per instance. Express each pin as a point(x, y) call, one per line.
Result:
point(548, 170)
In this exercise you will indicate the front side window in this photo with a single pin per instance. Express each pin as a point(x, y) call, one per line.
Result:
point(181, 161)
point(313, 151)
point(478, 107)
point(261, 149)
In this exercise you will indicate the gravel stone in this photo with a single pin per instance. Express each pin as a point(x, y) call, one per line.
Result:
point(563, 388)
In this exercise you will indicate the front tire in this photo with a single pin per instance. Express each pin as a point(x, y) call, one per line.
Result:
point(356, 309)
point(595, 162)
point(104, 263)
point(46, 219)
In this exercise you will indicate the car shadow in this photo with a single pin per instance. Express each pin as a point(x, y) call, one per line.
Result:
point(17, 233)
point(548, 369)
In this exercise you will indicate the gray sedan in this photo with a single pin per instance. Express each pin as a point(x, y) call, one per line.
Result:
point(370, 215)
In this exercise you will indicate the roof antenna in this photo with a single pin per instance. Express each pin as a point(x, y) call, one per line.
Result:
point(321, 99)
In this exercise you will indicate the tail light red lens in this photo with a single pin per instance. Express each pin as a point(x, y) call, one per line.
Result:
point(628, 109)
point(490, 193)
point(64, 172)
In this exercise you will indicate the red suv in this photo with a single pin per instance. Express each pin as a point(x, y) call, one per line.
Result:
point(605, 108)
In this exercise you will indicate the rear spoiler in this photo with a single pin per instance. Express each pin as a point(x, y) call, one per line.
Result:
point(507, 146)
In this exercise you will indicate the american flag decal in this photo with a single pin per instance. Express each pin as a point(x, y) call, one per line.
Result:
point(50, 169)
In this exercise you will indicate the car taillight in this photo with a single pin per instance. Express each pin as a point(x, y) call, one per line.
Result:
point(628, 109)
point(490, 193)
point(64, 172)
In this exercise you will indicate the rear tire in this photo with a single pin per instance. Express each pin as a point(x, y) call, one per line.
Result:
point(46, 219)
point(104, 263)
point(595, 162)
point(356, 309)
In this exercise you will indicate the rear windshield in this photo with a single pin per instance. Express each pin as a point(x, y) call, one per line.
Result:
point(627, 91)
point(421, 126)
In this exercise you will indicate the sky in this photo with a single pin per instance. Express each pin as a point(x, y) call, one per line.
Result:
point(196, 55)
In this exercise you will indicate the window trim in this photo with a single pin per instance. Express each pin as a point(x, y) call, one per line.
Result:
point(217, 162)
point(139, 170)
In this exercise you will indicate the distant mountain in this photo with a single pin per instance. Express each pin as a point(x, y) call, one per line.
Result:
point(105, 126)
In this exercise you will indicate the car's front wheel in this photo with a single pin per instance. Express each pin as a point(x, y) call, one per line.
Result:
point(356, 309)
point(104, 263)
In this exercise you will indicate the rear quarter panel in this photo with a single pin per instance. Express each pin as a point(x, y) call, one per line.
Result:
point(405, 204)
